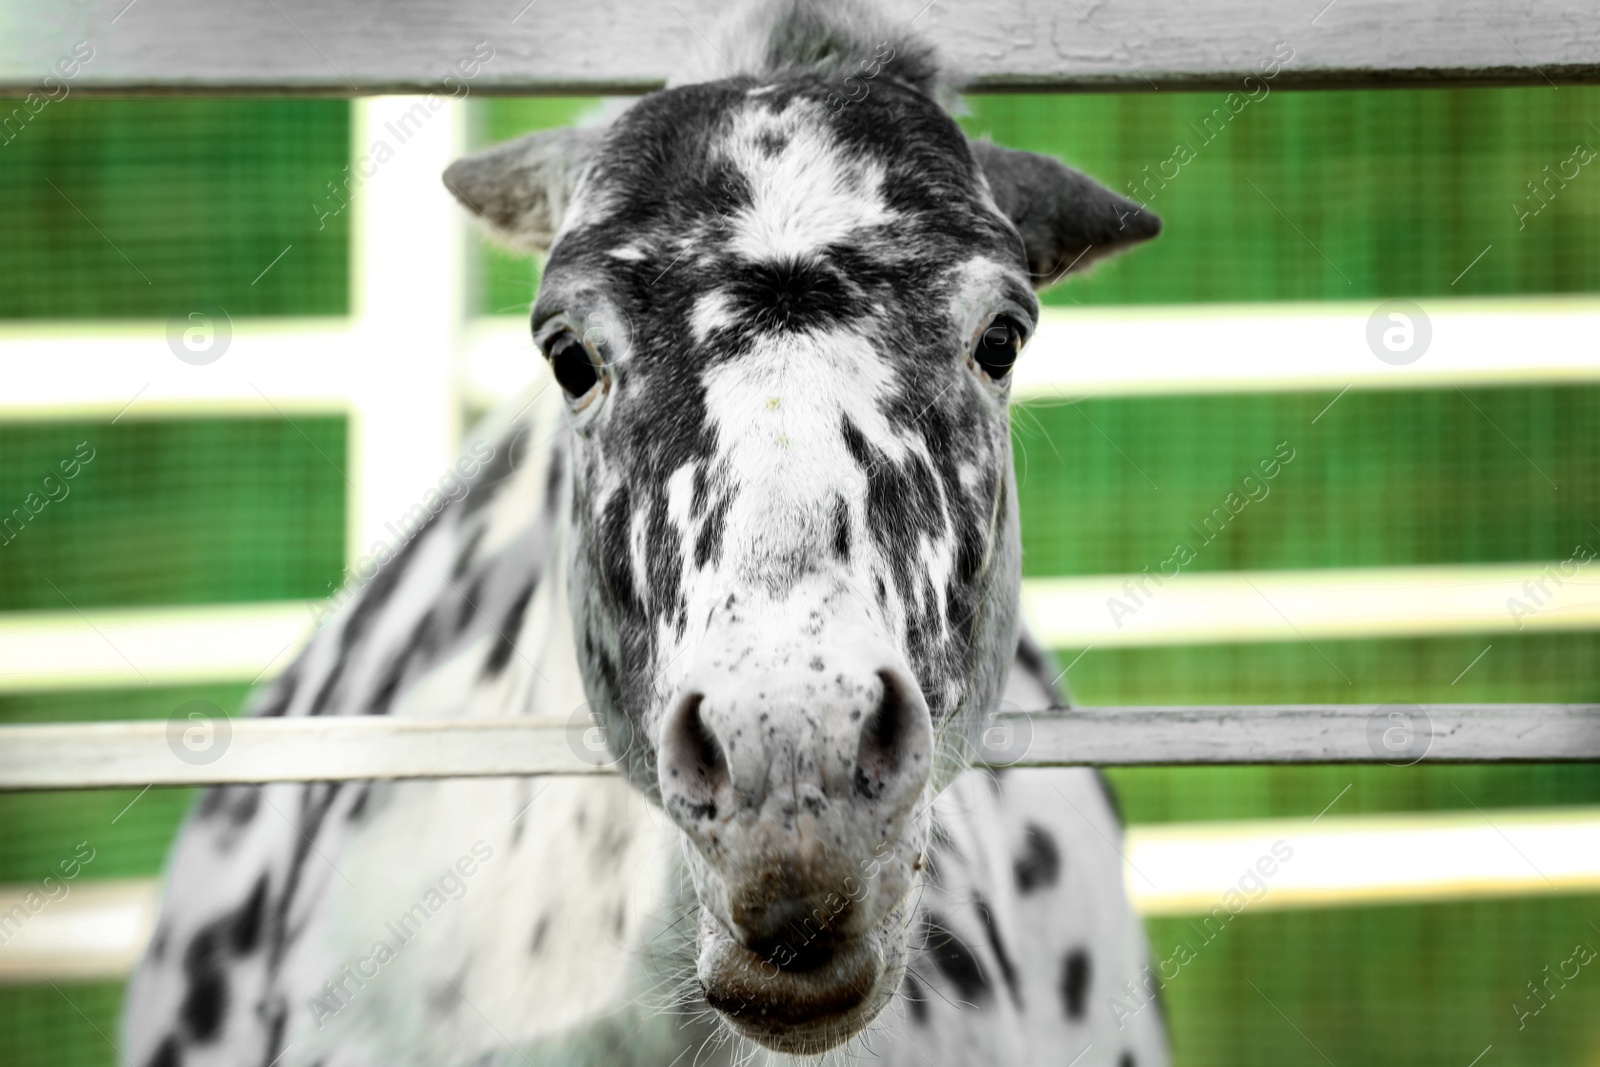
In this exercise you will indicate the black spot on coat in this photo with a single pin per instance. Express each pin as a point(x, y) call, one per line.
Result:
point(316, 799)
point(1008, 970)
point(233, 805)
point(211, 802)
point(1039, 865)
point(246, 802)
point(841, 530)
point(205, 997)
point(708, 545)
point(245, 932)
point(1075, 974)
point(166, 1053)
point(955, 960)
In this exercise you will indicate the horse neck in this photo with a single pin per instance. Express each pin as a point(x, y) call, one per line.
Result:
point(464, 612)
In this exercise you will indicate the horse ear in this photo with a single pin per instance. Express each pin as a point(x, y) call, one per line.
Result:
point(1067, 220)
point(521, 189)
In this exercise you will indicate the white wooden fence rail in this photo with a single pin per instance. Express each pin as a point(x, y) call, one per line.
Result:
point(178, 752)
point(589, 46)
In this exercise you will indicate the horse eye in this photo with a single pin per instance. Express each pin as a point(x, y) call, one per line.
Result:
point(574, 369)
point(998, 346)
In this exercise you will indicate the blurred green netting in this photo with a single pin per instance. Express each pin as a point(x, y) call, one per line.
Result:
point(135, 208)
point(60, 1024)
point(171, 511)
point(1304, 196)
point(1386, 478)
point(1418, 985)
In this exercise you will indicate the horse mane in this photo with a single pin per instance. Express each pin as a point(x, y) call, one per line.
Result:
point(832, 38)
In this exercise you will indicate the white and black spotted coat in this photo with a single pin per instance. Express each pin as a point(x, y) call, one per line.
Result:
point(562, 946)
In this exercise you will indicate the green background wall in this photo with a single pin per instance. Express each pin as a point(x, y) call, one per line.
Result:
point(1305, 196)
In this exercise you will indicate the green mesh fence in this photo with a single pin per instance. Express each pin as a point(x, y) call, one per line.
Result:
point(140, 207)
point(1337, 195)
point(1417, 986)
point(171, 511)
point(1383, 478)
point(58, 1024)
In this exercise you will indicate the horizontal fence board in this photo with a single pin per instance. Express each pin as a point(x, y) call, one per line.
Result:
point(1161, 350)
point(181, 752)
point(1398, 733)
point(188, 645)
point(1338, 603)
point(616, 46)
point(110, 647)
point(94, 932)
point(76, 368)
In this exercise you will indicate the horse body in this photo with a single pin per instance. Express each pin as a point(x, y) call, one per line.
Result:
point(785, 583)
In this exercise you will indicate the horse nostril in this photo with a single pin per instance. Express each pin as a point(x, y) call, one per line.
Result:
point(889, 738)
point(694, 769)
